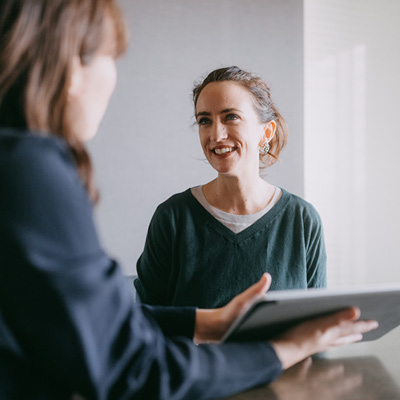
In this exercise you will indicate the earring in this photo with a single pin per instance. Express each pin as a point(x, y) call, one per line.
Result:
point(263, 148)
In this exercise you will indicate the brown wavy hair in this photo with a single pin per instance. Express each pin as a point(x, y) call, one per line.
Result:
point(38, 41)
point(263, 104)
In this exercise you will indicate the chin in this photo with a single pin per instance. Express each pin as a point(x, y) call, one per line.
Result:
point(87, 134)
point(89, 137)
point(225, 169)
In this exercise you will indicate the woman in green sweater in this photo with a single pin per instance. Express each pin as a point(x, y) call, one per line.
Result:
point(209, 243)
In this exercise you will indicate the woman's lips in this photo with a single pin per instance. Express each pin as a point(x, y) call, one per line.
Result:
point(223, 150)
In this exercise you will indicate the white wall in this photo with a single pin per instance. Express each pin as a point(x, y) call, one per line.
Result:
point(146, 149)
point(352, 135)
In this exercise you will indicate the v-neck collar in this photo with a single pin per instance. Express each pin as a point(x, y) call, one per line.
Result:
point(223, 230)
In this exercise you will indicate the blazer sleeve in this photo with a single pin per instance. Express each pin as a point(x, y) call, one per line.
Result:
point(70, 312)
point(173, 321)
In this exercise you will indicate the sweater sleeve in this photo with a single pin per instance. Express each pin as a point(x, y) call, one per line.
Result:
point(154, 265)
point(69, 315)
point(315, 249)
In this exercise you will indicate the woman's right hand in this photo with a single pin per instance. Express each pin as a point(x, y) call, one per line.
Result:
point(320, 334)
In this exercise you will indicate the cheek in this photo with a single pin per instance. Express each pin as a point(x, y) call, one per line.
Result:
point(202, 139)
point(112, 77)
point(107, 79)
point(101, 81)
point(104, 81)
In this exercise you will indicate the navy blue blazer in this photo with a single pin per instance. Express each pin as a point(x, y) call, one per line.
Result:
point(68, 323)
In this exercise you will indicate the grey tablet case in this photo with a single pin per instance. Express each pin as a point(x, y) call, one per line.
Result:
point(281, 310)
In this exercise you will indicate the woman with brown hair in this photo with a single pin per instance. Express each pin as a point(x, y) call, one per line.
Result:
point(68, 322)
point(209, 243)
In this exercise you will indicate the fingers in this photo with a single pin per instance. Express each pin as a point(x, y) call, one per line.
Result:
point(344, 327)
point(349, 314)
point(242, 302)
point(320, 334)
point(356, 337)
point(257, 290)
point(339, 319)
point(352, 332)
point(262, 286)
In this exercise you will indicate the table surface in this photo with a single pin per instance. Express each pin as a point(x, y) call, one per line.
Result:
point(360, 371)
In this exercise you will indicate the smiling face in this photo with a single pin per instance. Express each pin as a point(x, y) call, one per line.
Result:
point(229, 128)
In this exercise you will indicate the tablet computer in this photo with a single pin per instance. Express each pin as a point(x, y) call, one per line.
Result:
point(281, 310)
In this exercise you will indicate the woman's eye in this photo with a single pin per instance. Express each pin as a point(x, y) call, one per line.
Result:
point(204, 121)
point(231, 117)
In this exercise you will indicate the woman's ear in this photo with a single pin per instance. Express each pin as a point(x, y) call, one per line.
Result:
point(269, 129)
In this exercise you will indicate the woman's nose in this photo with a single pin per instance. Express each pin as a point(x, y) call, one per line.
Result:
point(218, 132)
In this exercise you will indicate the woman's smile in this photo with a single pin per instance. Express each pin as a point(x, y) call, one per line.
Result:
point(223, 150)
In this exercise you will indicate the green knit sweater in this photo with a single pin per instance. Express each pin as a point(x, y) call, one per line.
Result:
point(191, 259)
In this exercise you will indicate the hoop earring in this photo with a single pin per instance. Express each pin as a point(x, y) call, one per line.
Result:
point(263, 148)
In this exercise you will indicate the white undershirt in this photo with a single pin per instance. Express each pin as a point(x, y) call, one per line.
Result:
point(236, 223)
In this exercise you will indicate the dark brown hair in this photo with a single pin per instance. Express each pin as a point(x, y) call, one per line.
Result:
point(38, 41)
point(263, 104)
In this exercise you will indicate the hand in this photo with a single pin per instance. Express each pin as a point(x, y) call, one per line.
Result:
point(320, 334)
point(211, 325)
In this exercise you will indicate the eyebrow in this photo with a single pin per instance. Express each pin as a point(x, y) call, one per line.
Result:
point(206, 113)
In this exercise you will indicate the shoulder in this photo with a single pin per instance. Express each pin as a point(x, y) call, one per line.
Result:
point(297, 205)
point(179, 210)
point(178, 202)
point(31, 142)
point(30, 152)
point(37, 165)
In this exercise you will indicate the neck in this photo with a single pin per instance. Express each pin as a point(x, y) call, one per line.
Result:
point(238, 196)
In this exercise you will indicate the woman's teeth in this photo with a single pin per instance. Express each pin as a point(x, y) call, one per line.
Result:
point(223, 150)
